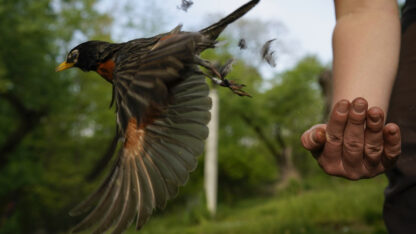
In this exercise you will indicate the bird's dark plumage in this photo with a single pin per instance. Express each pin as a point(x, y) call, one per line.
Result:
point(162, 109)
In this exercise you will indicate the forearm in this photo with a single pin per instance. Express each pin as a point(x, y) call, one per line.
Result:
point(366, 43)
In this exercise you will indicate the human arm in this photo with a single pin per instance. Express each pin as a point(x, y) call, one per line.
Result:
point(355, 143)
point(366, 43)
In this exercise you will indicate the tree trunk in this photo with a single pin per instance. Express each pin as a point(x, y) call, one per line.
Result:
point(287, 170)
point(29, 119)
point(283, 158)
point(211, 157)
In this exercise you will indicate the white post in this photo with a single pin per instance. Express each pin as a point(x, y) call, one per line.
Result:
point(211, 158)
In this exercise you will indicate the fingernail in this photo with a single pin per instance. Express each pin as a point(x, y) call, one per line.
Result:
point(392, 131)
point(319, 135)
point(359, 106)
point(375, 118)
point(342, 107)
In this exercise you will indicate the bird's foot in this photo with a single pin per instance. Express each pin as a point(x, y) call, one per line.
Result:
point(218, 73)
point(235, 87)
point(209, 66)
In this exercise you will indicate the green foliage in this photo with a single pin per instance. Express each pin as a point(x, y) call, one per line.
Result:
point(291, 102)
point(42, 179)
point(294, 103)
point(295, 100)
point(243, 162)
point(324, 206)
point(45, 175)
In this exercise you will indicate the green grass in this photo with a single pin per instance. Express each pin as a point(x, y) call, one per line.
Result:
point(333, 206)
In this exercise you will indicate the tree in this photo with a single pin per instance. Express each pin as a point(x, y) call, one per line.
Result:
point(43, 126)
point(280, 109)
point(294, 103)
point(272, 121)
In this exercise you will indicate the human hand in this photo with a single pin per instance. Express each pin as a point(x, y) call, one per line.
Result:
point(355, 143)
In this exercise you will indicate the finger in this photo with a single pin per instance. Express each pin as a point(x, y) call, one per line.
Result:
point(314, 138)
point(373, 138)
point(353, 145)
point(392, 144)
point(330, 159)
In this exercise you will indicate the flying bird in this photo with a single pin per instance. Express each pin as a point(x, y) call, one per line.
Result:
point(185, 5)
point(242, 44)
point(162, 109)
point(267, 54)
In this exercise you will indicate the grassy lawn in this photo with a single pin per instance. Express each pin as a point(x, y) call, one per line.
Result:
point(329, 206)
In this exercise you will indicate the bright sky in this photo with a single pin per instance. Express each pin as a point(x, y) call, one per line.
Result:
point(308, 24)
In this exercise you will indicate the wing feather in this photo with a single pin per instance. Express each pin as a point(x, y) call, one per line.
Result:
point(146, 207)
point(113, 209)
point(158, 185)
point(165, 170)
point(162, 113)
point(162, 109)
point(101, 207)
point(127, 212)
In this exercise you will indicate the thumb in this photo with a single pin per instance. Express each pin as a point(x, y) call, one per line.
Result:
point(315, 138)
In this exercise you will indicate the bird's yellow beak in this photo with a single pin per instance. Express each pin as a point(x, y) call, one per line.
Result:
point(64, 66)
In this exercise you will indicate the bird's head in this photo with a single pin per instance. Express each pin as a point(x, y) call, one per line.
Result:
point(85, 56)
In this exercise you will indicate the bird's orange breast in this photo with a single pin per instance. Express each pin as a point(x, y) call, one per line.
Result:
point(106, 69)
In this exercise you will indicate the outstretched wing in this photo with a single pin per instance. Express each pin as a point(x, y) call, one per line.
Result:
point(162, 112)
point(143, 77)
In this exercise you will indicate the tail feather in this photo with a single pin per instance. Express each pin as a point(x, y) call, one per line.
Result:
point(148, 173)
point(215, 30)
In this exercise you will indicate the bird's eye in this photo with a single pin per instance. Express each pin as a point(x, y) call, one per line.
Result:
point(73, 56)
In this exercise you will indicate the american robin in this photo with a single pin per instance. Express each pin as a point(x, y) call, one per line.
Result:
point(162, 109)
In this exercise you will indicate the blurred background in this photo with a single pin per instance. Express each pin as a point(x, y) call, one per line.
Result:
point(56, 130)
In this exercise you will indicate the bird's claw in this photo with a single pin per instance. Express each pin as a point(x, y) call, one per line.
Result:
point(235, 87)
point(218, 74)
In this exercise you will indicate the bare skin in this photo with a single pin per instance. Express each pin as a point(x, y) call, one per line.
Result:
point(366, 42)
point(355, 143)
